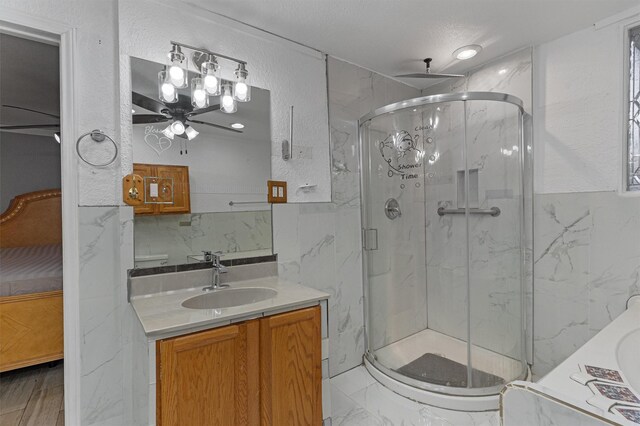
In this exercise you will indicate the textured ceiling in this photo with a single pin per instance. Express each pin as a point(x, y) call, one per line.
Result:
point(393, 36)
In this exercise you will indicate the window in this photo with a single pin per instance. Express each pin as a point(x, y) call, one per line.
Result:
point(633, 130)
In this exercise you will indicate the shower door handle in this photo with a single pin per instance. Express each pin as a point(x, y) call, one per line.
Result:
point(493, 211)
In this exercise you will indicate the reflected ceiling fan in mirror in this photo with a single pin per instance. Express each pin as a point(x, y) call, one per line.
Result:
point(53, 126)
point(179, 113)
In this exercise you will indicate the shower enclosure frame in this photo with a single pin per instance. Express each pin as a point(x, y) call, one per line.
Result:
point(480, 399)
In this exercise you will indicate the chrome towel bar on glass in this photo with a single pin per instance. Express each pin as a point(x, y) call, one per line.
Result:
point(493, 211)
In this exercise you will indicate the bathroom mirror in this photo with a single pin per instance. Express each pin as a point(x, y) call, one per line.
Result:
point(229, 162)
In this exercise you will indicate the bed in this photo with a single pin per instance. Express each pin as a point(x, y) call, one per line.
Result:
point(31, 315)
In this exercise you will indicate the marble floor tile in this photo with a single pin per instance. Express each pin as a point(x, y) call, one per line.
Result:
point(357, 399)
point(340, 402)
point(43, 407)
point(356, 417)
point(353, 380)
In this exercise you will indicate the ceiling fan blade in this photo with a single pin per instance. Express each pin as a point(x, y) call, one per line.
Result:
point(32, 110)
point(31, 126)
point(148, 118)
point(215, 107)
point(149, 104)
point(215, 125)
point(430, 75)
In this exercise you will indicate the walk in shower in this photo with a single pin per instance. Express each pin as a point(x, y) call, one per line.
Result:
point(443, 210)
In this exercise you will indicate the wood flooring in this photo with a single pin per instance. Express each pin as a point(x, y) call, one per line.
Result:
point(32, 396)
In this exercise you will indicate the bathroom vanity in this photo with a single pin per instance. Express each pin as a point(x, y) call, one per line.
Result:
point(252, 353)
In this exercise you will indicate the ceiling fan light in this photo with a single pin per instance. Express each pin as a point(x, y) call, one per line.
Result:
point(177, 127)
point(168, 133)
point(467, 52)
point(191, 132)
point(166, 91)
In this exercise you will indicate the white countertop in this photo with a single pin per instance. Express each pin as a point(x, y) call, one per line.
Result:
point(162, 314)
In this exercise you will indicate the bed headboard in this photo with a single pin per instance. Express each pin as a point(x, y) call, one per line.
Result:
point(32, 219)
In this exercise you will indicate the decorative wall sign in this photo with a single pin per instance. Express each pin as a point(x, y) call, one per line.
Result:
point(403, 154)
point(156, 140)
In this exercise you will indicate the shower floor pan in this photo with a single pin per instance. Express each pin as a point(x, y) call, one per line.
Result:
point(422, 353)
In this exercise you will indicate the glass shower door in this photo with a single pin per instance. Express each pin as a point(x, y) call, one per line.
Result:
point(411, 160)
point(496, 262)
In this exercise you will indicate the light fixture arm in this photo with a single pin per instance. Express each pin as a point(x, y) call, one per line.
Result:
point(219, 55)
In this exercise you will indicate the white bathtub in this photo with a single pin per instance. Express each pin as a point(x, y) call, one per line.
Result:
point(628, 354)
point(617, 347)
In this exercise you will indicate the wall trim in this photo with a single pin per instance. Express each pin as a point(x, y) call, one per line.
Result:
point(53, 32)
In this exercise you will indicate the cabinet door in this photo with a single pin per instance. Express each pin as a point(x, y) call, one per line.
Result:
point(144, 170)
point(209, 378)
point(291, 369)
point(178, 192)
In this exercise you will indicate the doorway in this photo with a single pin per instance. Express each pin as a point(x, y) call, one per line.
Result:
point(31, 252)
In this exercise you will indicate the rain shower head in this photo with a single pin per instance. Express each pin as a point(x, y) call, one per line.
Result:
point(428, 73)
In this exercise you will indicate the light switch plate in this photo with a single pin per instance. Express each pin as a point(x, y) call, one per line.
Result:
point(276, 191)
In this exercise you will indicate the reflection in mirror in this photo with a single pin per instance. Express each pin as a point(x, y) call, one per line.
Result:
point(194, 162)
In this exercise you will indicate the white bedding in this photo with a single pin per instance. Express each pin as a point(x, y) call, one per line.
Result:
point(33, 269)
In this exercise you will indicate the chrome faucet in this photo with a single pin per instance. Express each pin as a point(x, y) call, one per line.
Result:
point(216, 268)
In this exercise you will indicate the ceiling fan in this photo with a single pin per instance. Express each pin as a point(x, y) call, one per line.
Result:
point(54, 126)
point(428, 73)
point(181, 111)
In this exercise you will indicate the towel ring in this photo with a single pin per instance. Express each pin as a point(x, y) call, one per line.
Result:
point(98, 136)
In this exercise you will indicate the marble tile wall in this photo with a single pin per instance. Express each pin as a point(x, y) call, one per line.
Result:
point(586, 265)
point(102, 309)
point(320, 244)
point(181, 235)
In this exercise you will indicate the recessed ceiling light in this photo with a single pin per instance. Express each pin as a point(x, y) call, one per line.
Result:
point(502, 71)
point(237, 125)
point(467, 52)
point(133, 111)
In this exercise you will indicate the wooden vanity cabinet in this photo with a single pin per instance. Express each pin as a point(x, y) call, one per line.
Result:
point(291, 368)
point(173, 189)
point(260, 372)
point(209, 378)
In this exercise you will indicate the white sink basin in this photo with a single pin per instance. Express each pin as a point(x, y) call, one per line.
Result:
point(227, 298)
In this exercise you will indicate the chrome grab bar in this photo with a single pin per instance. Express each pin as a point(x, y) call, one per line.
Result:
point(493, 211)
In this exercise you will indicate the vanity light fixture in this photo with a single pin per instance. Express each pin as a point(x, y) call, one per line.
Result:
point(166, 91)
point(227, 103)
point(209, 83)
point(191, 132)
point(210, 71)
point(199, 96)
point(241, 90)
point(177, 68)
point(467, 52)
point(237, 125)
